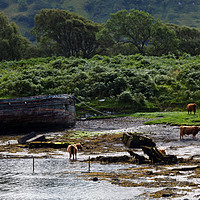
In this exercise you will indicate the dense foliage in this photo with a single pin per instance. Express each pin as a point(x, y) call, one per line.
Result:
point(12, 44)
point(68, 33)
point(133, 82)
point(178, 12)
point(110, 65)
point(135, 27)
point(63, 33)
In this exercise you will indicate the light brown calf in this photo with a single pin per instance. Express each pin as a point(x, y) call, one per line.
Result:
point(191, 107)
point(189, 130)
point(163, 151)
point(73, 150)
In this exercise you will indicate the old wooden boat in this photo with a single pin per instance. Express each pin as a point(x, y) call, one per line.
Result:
point(136, 140)
point(47, 112)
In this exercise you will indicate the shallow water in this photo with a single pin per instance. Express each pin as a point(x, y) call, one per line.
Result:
point(58, 178)
point(63, 179)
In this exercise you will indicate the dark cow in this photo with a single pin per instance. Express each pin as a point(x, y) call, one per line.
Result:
point(189, 130)
point(191, 107)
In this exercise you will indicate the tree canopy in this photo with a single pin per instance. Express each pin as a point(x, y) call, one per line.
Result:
point(12, 44)
point(63, 33)
point(163, 40)
point(189, 38)
point(134, 27)
point(71, 34)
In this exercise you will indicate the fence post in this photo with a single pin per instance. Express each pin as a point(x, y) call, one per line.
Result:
point(33, 165)
point(89, 165)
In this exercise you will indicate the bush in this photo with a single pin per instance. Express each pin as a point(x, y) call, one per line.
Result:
point(126, 97)
point(160, 82)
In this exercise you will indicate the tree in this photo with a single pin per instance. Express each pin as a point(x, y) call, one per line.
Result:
point(72, 34)
point(131, 27)
point(163, 40)
point(189, 39)
point(12, 44)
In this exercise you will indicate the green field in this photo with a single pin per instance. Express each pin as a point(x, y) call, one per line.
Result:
point(171, 118)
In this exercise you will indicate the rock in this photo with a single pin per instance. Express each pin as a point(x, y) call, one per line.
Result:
point(167, 195)
point(95, 179)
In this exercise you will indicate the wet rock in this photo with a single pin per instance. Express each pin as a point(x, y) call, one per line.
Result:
point(149, 173)
point(24, 139)
point(95, 179)
point(112, 159)
point(166, 195)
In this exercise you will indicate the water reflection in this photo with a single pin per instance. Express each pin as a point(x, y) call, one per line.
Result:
point(56, 179)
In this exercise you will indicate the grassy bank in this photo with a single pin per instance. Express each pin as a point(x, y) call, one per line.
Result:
point(170, 118)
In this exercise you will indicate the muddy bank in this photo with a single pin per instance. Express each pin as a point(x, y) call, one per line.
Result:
point(178, 181)
point(104, 136)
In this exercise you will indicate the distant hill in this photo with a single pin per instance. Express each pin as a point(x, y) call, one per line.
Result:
point(180, 12)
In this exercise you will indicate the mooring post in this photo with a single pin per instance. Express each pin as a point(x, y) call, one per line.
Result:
point(89, 165)
point(33, 164)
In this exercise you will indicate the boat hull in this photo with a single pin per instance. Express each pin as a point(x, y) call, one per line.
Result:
point(27, 114)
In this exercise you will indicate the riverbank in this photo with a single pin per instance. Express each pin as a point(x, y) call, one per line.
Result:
point(102, 137)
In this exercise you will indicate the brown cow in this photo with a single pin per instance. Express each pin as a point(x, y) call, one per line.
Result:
point(73, 150)
point(189, 130)
point(191, 107)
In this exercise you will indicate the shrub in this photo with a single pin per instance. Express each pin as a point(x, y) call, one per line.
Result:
point(126, 97)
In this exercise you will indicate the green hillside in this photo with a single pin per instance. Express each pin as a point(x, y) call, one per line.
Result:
point(117, 84)
point(180, 12)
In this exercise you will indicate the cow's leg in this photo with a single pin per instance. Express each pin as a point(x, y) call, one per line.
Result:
point(181, 135)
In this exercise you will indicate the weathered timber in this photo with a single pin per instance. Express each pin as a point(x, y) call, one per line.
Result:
point(134, 140)
point(55, 145)
point(24, 139)
point(140, 159)
point(48, 112)
point(156, 157)
point(186, 168)
point(38, 138)
point(111, 159)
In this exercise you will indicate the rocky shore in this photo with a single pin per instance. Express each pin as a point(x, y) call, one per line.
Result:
point(102, 142)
